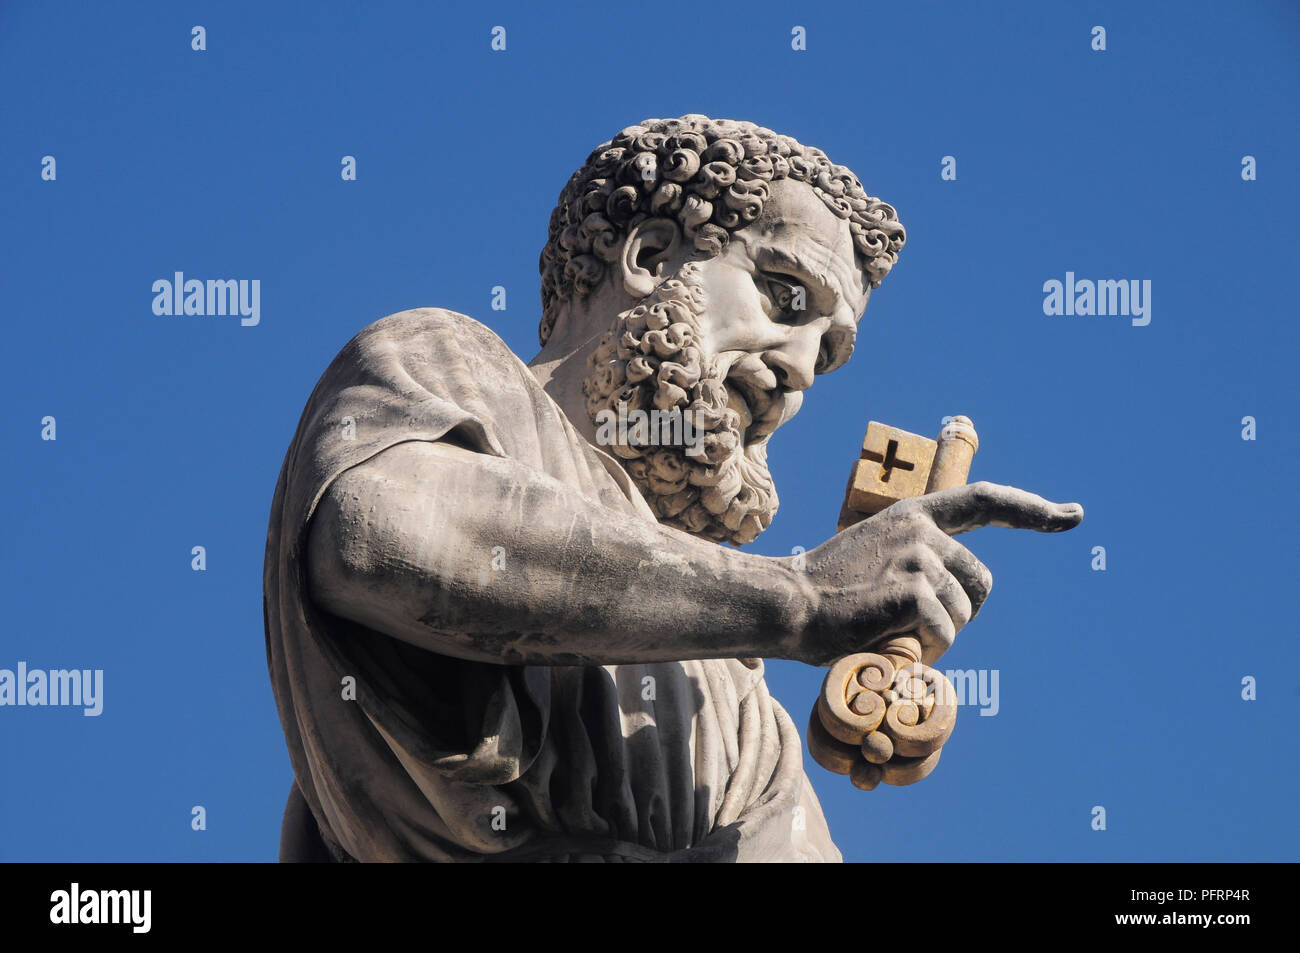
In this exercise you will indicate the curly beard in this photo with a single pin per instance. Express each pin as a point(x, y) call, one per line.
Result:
point(704, 478)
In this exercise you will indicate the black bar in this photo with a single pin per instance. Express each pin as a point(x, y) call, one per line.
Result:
point(496, 904)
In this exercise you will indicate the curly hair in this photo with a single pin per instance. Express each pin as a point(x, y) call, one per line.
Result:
point(709, 174)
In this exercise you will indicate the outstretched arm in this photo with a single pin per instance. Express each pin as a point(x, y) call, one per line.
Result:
point(407, 544)
point(483, 558)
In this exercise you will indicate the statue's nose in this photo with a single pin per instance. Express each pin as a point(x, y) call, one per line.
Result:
point(795, 361)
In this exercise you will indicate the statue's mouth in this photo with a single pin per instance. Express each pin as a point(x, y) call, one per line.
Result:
point(763, 405)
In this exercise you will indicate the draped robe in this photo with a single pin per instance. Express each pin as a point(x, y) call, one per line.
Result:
point(441, 759)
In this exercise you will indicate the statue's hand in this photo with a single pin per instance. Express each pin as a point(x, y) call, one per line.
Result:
point(901, 572)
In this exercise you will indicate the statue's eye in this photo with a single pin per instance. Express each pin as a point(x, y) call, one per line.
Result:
point(788, 297)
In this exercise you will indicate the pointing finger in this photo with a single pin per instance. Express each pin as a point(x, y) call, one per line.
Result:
point(990, 504)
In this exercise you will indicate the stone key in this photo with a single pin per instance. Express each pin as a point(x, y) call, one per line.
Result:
point(883, 715)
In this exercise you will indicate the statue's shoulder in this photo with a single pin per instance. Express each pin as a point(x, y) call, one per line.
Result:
point(422, 328)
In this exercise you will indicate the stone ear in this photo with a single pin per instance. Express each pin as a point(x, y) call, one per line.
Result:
point(648, 246)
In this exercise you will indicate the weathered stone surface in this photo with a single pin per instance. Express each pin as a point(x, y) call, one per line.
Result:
point(499, 622)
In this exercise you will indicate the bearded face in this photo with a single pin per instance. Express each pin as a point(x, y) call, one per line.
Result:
point(708, 475)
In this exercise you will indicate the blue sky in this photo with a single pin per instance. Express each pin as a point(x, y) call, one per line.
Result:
point(1119, 688)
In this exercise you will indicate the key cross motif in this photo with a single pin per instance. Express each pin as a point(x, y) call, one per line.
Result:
point(893, 465)
point(889, 461)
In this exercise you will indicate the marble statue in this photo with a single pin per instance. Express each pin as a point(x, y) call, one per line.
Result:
point(507, 620)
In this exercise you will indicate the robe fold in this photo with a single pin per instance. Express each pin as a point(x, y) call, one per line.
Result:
point(442, 759)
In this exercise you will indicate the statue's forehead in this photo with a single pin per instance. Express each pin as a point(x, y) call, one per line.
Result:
point(793, 205)
point(795, 221)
